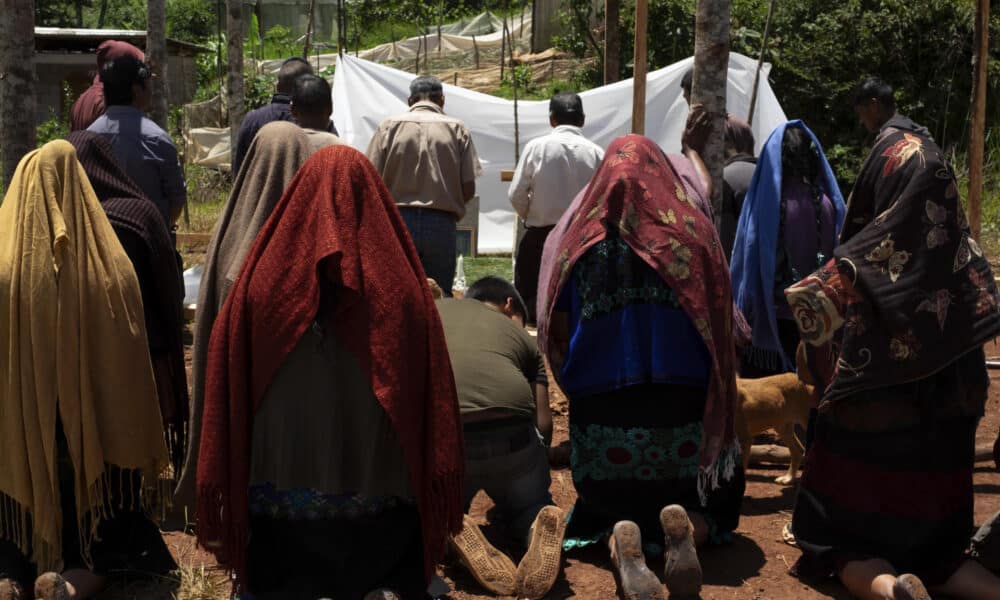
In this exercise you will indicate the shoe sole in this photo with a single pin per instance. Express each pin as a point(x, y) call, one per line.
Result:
point(637, 581)
point(490, 567)
point(682, 570)
point(541, 563)
point(909, 587)
point(9, 590)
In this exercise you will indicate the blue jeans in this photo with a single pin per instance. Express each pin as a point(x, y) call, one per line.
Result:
point(434, 234)
point(509, 463)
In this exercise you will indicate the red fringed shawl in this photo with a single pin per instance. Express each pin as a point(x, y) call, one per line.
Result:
point(335, 229)
point(638, 194)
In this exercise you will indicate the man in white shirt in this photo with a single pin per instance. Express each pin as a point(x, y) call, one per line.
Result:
point(552, 170)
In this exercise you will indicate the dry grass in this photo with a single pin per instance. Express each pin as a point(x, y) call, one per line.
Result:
point(199, 583)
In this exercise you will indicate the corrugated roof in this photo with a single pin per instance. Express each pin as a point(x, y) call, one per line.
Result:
point(99, 35)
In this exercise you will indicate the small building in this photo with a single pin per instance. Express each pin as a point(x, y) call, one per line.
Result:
point(69, 56)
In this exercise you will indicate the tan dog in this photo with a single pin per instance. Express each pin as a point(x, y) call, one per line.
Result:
point(778, 402)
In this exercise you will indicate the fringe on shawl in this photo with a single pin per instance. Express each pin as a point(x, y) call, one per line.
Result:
point(446, 500)
point(15, 525)
point(177, 439)
point(723, 469)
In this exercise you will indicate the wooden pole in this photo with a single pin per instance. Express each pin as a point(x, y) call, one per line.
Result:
point(219, 73)
point(416, 64)
point(981, 48)
point(475, 51)
point(503, 44)
point(156, 57)
point(340, 28)
point(708, 86)
point(760, 61)
point(440, 20)
point(534, 25)
point(234, 77)
point(639, 68)
point(309, 30)
point(612, 41)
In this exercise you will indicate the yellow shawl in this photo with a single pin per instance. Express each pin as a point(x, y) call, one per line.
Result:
point(74, 348)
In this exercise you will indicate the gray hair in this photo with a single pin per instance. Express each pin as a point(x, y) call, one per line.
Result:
point(426, 87)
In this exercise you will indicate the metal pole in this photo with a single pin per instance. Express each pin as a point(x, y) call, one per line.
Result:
point(760, 61)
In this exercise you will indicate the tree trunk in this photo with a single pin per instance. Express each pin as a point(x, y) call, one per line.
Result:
point(234, 79)
point(639, 67)
point(980, 58)
point(100, 15)
point(309, 30)
point(79, 13)
point(708, 86)
point(612, 41)
point(156, 56)
point(17, 83)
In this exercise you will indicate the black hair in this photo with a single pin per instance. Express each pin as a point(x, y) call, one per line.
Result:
point(312, 95)
point(873, 87)
point(118, 76)
point(496, 290)
point(686, 80)
point(799, 155)
point(426, 87)
point(567, 109)
point(292, 69)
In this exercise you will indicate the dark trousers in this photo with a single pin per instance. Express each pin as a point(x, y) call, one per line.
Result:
point(529, 262)
point(434, 235)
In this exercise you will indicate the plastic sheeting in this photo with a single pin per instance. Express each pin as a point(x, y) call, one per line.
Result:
point(408, 48)
point(208, 147)
point(364, 93)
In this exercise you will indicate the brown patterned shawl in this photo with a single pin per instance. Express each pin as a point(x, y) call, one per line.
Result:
point(637, 193)
point(143, 233)
point(908, 291)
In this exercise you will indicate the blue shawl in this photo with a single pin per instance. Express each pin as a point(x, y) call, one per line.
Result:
point(752, 268)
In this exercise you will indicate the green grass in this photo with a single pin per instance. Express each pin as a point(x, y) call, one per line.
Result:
point(498, 265)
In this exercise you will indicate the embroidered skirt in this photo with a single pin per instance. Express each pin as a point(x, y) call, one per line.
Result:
point(634, 451)
point(889, 475)
point(306, 545)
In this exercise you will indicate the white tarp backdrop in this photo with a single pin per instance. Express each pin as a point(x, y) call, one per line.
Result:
point(364, 93)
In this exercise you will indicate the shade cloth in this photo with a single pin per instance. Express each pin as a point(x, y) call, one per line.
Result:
point(364, 93)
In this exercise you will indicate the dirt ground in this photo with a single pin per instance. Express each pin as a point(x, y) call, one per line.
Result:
point(754, 567)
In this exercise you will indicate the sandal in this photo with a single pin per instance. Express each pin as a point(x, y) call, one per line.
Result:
point(986, 544)
point(539, 567)
point(909, 587)
point(636, 580)
point(682, 571)
point(10, 590)
point(382, 594)
point(51, 586)
point(491, 568)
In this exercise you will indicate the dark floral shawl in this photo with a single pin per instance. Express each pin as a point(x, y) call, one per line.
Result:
point(908, 291)
point(638, 194)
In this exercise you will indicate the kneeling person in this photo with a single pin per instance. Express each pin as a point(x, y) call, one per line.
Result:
point(503, 397)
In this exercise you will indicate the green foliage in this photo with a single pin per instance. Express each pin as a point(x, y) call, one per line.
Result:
point(820, 50)
point(191, 20)
point(57, 125)
point(257, 89)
